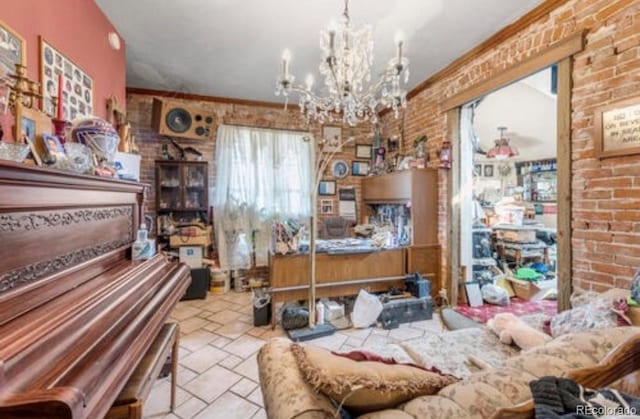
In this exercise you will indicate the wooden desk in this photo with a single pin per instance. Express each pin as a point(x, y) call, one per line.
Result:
point(337, 274)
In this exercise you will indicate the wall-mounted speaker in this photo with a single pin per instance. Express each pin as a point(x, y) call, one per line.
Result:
point(176, 119)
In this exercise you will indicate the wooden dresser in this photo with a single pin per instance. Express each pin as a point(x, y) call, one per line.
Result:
point(76, 314)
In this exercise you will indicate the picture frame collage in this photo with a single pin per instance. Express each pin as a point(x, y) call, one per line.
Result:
point(340, 168)
point(484, 170)
point(12, 52)
point(78, 86)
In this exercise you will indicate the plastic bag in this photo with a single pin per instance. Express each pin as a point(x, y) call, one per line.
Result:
point(366, 310)
point(493, 294)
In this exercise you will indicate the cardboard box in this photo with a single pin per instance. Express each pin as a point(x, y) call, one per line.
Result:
point(528, 290)
point(204, 239)
point(191, 256)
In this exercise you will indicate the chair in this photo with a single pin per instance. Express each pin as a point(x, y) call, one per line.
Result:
point(334, 228)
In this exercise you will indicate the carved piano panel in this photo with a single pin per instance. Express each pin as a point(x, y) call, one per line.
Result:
point(76, 315)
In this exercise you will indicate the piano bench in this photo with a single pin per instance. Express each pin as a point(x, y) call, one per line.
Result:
point(128, 404)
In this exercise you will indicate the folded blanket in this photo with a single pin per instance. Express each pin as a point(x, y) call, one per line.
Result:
point(564, 398)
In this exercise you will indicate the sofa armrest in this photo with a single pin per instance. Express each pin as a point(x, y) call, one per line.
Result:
point(624, 359)
point(285, 392)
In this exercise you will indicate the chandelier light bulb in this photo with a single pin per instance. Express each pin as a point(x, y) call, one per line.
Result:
point(309, 81)
point(286, 57)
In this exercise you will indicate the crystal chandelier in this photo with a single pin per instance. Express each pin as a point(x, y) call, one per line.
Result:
point(347, 56)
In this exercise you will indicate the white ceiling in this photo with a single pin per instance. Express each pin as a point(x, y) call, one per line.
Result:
point(527, 109)
point(233, 49)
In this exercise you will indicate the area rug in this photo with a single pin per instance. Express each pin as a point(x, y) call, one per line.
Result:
point(518, 307)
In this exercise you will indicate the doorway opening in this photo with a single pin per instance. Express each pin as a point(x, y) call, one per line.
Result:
point(508, 196)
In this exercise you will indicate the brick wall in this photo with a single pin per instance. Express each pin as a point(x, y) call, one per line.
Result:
point(605, 193)
point(150, 143)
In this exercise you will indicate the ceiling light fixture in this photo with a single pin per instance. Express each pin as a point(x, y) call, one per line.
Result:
point(502, 150)
point(347, 56)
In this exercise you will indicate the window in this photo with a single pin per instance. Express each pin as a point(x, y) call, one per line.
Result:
point(260, 174)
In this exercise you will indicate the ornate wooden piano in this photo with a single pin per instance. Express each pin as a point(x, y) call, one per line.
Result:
point(76, 314)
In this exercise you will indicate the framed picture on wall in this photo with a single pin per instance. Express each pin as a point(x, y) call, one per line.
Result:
point(477, 169)
point(332, 136)
point(360, 168)
point(77, 85)
point(326, 206)
point(327, 187)
point(363, 151)
point(488, 170)
point(12, 50)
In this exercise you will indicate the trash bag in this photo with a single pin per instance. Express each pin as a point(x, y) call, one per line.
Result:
point(294, 317)
point(366, 310)
point(493, 294)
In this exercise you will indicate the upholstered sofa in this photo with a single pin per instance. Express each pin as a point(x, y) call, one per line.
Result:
point(493, 375)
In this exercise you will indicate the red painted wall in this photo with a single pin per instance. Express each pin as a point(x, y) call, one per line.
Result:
point(77, 28)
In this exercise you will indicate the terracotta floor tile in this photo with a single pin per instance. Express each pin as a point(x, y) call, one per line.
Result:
point(212, 384)
point(196, 340)
point(203, 359)
point(230, 362)
point(244, 387)
point(225, 316)
point(229, 406)
point(244, 346)
point(234, 330)
point(190, 408)
point(192, 324)
point(249, 368)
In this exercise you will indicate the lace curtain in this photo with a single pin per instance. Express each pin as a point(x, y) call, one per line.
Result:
point(260, 174)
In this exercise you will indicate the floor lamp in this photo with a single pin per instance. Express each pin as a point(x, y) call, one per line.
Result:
point(316, 330)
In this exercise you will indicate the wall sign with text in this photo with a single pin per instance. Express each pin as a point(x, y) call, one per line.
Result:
point(617, 128)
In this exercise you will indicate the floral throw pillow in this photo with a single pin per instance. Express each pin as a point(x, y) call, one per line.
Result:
point(600, 313)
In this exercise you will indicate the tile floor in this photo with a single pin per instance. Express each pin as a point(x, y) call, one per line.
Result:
point(218, 372)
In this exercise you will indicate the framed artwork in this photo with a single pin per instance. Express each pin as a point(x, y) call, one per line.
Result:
point(617, 128)
point(477, 169)
point(363, 151)
point(31, 124)
point(332, 136)
point(327, 187)
point(488, 170)
point(360, 168)
point(53, 145)
point(12, 50)
point(77, 85)
point(340, 169)
point(474, 295)
point(326, 206)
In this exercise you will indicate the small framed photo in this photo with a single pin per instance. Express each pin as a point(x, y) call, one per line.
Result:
point(332, 136)
point(474, 295)
point(340, 169)
point(488, 170)
point(31, 124)
point(53, 145)
point(327, 187)
point(360, 168)
point(477, 169)
point(326, 206)
point(363, 151)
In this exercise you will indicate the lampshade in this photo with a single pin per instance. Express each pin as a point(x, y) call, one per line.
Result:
point(502, 149)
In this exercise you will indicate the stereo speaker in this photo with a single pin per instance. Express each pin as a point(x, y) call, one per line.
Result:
point(176, 119)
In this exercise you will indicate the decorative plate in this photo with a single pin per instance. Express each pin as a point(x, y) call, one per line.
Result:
point(340, 169)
